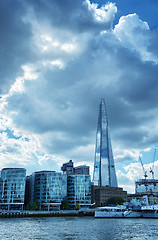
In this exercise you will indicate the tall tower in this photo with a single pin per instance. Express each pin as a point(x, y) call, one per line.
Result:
point(104, 169)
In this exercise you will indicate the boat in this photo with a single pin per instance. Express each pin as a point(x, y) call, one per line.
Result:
point(146, 211)
point(150, 211)
point(110, 212)
point(132, 214)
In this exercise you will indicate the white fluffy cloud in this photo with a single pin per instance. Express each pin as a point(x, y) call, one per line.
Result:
point(105, 13)
point(134, 34)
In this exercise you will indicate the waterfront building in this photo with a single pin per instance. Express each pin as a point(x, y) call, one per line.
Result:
point(12, 188)
point(79, 190)
point(104, 168)
point(47, 188)
point(78, 184)
point(100, 195)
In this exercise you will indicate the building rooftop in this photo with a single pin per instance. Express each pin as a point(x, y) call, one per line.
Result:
point(13, 169)
point(147, 180)
point(45, 171)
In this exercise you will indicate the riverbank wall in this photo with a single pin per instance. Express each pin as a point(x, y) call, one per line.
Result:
point(25, 214)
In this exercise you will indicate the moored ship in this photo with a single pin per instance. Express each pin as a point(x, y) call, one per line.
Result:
point(110, 212)
point(150, 211)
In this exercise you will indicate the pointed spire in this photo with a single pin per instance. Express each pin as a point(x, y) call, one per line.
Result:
point(104, 169)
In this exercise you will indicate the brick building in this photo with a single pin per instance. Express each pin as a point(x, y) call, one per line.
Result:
point(100, 195)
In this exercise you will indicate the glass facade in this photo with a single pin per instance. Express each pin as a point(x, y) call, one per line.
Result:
point(48, 188)
point(104, 169)
point(12, 188)
point(79, 190)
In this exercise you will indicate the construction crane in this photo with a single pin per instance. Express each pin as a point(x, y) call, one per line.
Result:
point(145, 173)
point(152, 168)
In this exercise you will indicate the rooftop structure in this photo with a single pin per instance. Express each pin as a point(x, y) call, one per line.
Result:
point(84, 170)
point(104, 169)
point(67, 168)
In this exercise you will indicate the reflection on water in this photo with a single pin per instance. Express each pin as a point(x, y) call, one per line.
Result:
point(72, 228)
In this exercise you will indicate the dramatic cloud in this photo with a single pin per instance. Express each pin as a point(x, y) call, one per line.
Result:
point(58, 59)
point(16, 42)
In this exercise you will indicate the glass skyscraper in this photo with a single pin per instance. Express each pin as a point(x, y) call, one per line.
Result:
point(104, 169)
point(12, 188)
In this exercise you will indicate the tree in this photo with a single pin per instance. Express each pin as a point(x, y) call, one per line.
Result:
point(32, 206)
point(77, 206)
point(65, 205)
point(115, 200)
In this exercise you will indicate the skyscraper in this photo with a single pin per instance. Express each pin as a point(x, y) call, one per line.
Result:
point(104, 169)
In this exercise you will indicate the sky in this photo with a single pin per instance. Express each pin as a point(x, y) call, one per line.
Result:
point(57, 60)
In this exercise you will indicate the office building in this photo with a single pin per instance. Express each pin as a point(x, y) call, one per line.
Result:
point(12, 188)
point(78, 184)
point(100, 195)
point(104, 168)
point(47, 188)
point(79, 190)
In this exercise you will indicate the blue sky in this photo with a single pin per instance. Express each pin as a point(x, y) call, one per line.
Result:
point(58, 59)
point(147, 10)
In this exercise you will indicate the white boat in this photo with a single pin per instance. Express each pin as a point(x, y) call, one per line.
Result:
point(150, 211)
point(110, 212)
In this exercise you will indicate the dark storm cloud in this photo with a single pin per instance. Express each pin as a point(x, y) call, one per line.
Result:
point(17, 47)
point(69, 14)
point(14, 42)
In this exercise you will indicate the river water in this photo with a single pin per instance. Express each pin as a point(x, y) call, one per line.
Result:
point(72, 228)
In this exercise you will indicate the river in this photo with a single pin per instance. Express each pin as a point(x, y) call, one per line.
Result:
point(80, 228)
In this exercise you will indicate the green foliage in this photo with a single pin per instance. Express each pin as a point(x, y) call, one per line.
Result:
point(65, 205)
point(77, 206)
point(32, 206)
point(115, 200)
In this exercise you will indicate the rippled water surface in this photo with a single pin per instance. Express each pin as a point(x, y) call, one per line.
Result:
point(72, 228)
